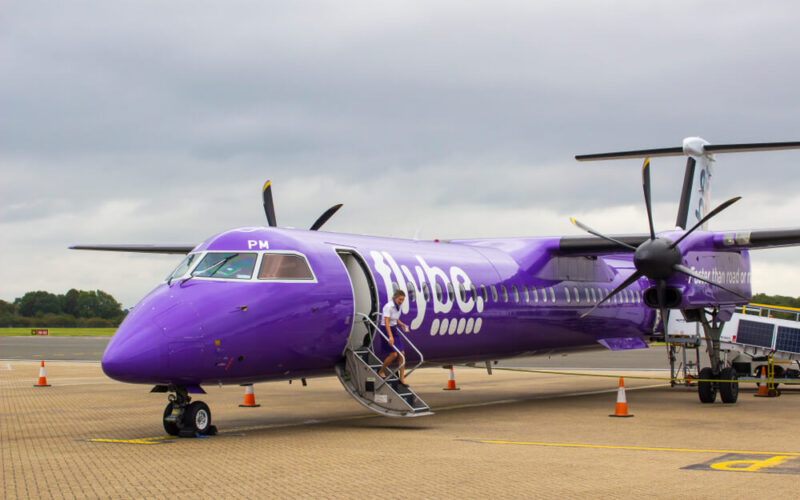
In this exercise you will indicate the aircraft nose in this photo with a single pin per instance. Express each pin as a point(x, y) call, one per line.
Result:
point(133, 353)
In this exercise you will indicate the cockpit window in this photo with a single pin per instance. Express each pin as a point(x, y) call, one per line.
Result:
point(183, 267)
point(226, 265)
point(276, 266)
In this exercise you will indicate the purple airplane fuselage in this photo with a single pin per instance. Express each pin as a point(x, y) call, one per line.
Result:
point(469, 300)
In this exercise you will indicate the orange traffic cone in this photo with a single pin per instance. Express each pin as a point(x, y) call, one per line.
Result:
point(249, 397)
point(622, 403)
point(763, 389)
point(451, 383)
point(42, 378)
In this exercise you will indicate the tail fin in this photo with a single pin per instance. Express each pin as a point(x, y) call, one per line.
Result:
point(696, 192)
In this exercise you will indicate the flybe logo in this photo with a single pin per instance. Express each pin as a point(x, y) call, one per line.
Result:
point(427, 280)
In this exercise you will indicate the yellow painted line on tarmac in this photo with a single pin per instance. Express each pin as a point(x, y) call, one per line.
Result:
point(640, 448)
point(156, 440)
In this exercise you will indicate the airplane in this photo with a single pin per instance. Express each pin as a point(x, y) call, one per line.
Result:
point(257, 304)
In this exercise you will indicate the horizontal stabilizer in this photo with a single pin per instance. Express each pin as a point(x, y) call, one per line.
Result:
point(167, 249)
point(696, 147)
point(641, 153)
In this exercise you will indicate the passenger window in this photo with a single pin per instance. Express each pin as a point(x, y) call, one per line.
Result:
point(439, 294)
point(544, 295)
point(535, 294)
point(526, 294)
point(494, 293)
point(412, 293)
point(463, 292)
point(566, 294)
point(395, 286)
point(450, 293)
point(474, 292)
point(516, 293)
point(504, 290)
point(426, 292)
point(485, 293)
point(552, 294)
point(577, 294)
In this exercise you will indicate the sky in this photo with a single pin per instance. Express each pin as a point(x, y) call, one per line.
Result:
point(158, 122)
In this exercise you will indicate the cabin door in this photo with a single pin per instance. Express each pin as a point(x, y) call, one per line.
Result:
point(365, 298)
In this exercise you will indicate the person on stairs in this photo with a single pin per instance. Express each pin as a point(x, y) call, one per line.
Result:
point(391, 318)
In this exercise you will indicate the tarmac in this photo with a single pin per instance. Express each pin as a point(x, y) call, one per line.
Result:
point(510, 435)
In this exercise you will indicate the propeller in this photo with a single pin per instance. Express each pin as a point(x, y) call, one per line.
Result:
point(269, 209)
point(657, 258)
point(325, 216)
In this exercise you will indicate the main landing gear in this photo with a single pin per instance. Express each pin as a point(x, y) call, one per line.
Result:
point(717, 378)
point(186, 419)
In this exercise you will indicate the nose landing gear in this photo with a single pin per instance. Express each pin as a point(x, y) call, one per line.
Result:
point(186, 419)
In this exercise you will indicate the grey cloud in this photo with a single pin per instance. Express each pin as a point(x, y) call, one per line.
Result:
point(153, 122)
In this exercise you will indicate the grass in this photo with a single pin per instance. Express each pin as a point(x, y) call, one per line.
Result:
point(60, 332)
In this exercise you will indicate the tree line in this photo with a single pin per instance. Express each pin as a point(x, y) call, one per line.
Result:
point(76, 308)
point(98, 309)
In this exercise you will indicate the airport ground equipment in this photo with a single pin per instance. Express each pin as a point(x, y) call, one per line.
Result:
point(757, 337)
point(359, 375)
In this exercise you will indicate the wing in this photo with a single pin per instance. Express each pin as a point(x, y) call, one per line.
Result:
point(164, 249)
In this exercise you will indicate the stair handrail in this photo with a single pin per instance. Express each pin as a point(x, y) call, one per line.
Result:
point(408, 342)
point(386, 337)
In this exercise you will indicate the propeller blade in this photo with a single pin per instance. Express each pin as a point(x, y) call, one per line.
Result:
point(688, 272)
point(686, 193)
point(269, 207)
point(632, 278)
point(661, 289)
point(646, 186)
point(704, 219)
point(325, 216)
point(608, 238)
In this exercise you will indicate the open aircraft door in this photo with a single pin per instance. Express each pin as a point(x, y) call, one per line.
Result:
point(365, 297)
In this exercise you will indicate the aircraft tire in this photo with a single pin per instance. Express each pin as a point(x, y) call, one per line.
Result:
point(198, 418)
point(707, 391)
point(728, 391)
point(171, 427)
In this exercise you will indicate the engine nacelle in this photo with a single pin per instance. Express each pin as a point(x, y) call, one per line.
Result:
point(672, 297)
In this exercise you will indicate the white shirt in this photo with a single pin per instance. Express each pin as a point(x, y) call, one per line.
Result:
point(391, 311)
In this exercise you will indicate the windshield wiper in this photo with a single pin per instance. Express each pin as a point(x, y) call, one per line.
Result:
point(216, 268)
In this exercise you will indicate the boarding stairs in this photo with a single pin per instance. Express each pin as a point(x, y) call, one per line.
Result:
point(358, 373)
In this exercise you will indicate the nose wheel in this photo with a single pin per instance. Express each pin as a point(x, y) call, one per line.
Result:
point(185, 418)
